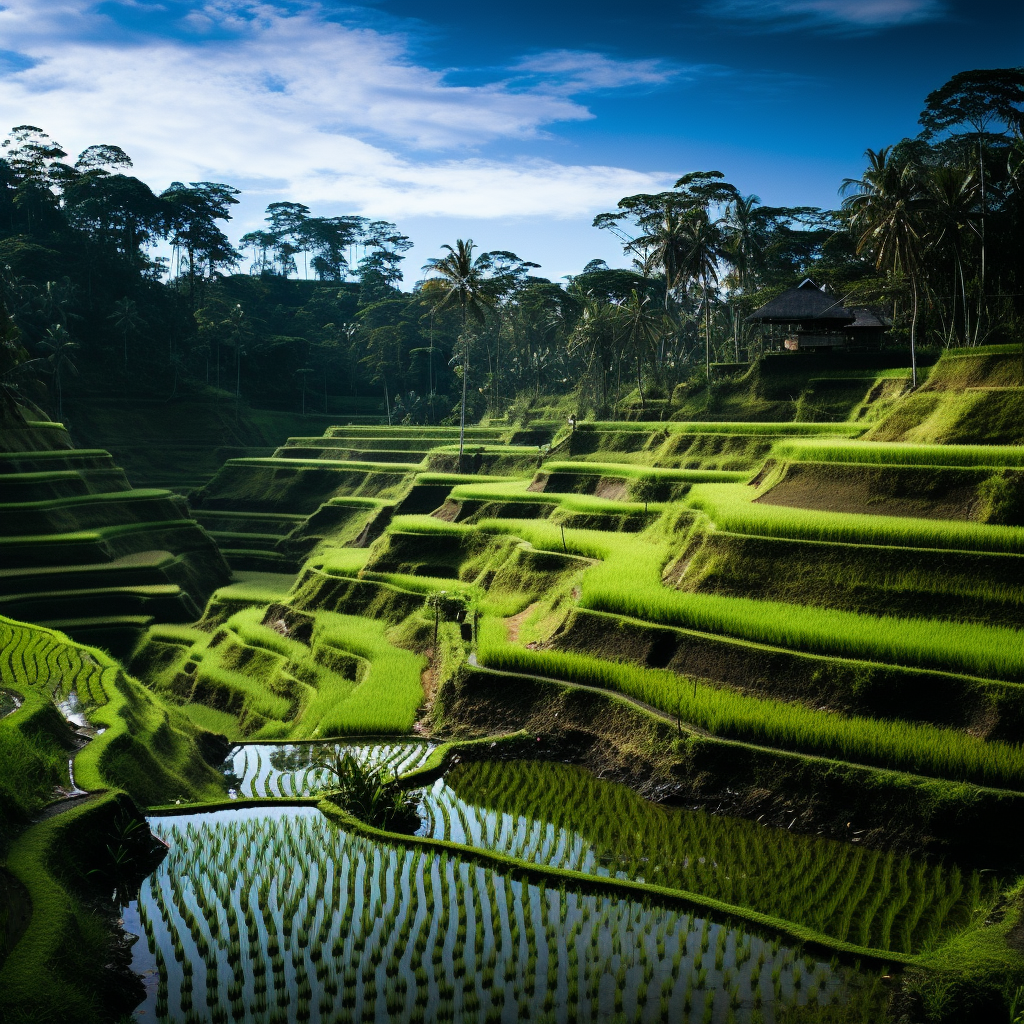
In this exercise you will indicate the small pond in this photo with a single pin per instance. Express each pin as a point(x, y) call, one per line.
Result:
point(275, 914)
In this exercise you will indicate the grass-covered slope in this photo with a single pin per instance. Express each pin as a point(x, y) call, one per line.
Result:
point(76, 711)
point(82, 551)
point(973, 396)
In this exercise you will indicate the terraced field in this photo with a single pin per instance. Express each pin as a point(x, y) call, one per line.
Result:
point(784, 660)
point(84, 552)
point(330, 926)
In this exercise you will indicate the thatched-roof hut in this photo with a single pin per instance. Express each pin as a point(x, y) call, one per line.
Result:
point(818, 319)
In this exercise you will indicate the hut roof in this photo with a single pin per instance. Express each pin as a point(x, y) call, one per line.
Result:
point(869, 318)
point(804, 302)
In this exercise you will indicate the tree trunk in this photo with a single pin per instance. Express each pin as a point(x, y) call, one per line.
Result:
point(465, 379)
point(707, 336)
point(913, 337)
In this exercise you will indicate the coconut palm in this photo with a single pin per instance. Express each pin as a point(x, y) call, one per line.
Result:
point(640, 331)
point(595, 333)
point(127, 320)
point(663, 244)
point(952, 196)
point(700, 264)
point(59, 346)
point(887, 203)
point(464, 282)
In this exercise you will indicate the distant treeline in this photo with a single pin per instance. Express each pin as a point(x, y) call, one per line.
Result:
point(309, 307)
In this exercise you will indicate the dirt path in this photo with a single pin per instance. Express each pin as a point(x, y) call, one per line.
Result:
point(515, 622)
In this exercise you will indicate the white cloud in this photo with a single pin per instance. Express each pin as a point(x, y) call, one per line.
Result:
point(571, 72)
point(297, 106)
point(854, 15)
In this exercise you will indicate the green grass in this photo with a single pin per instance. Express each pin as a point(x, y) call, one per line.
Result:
point(347, 680)
point(732, 507)
point(341, 465)
point(632, 471)
point(627, 581)
point(892, 453)
point(725, 427)
point(900, 746)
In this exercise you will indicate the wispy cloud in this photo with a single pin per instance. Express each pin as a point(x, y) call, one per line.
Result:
point(575, 72)
point(846, 15)
point(290, 103)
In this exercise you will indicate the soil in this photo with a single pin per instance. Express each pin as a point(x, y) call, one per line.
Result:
point(800, 489)
point(612, 488)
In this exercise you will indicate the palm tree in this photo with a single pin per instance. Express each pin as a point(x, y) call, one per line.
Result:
point(60, 346)
point(952, 195)
point(127, 320)
point(703, 249)
point(595, 332)
point(664, 244)
point(886, 207)
point(463, 280)
point(640, 329)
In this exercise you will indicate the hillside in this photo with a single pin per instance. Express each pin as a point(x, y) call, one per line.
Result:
point(790, 627)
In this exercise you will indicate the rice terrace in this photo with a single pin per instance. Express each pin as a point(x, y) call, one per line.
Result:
point(645, 645)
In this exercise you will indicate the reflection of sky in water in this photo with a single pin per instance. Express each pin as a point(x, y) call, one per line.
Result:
point(562, 816)
point(274, 913)
point(445, 815)
point(8, 703)
point(289, 769)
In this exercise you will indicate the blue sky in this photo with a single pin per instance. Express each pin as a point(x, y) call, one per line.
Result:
point(512, 124)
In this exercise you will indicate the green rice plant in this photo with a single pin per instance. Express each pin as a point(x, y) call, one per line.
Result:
point(836, 888)
point(547, 916)
point(901, 746)
point(725, 427)
point(732, 507)
point(632, 471)
point(881, 453)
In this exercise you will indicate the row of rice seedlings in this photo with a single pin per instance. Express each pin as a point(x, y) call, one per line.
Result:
point(894, 453)
point(564, 817)
point(731, 507)
point(627, 581)
point(35, 657)
point(902, 746)
point(352, 929)
point(290, 770)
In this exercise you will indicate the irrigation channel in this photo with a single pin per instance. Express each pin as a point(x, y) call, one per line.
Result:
point(275, 913)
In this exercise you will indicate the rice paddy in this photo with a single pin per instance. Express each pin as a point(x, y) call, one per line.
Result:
point(268, 915)
point(562, 816)
point(887, 743)
point(337, 639)
point(292, 769)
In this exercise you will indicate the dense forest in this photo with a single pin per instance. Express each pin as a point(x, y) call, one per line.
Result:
point(310, 309)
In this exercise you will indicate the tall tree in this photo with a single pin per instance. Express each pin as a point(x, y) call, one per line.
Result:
point(989, 102)
point(127, 320)
point(192, 214)
point(464, 281)
point(886, 205)
point(701, 254)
